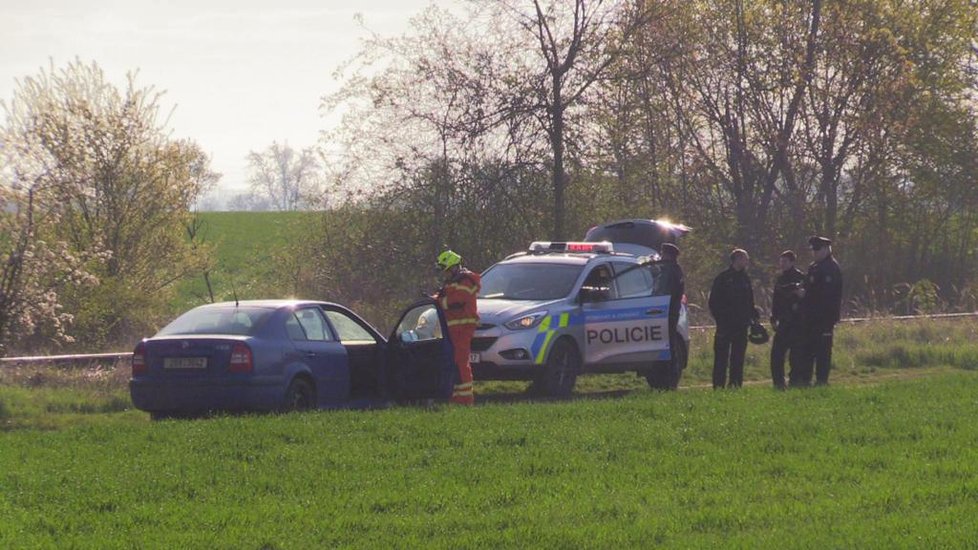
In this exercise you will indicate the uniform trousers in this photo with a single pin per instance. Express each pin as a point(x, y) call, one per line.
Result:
point(817, 353)
point(729, 348)
point(786, 344)
point(461, 335)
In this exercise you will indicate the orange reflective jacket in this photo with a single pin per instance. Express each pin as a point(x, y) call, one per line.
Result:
point(458, 298)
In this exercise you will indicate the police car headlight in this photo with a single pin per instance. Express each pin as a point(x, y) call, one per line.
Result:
point(526, 321)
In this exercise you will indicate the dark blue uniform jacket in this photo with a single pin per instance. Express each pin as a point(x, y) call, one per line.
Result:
point(732, 299)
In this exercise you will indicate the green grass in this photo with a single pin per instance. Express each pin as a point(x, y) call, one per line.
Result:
point(885, 457)
point(49, 398)
point(891, 465)
point(246, 247)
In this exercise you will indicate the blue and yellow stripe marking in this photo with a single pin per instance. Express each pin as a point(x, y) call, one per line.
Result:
point(545, 333)
point(551, 323)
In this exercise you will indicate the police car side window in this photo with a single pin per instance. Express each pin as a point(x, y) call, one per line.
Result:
point(633, 282)
point(601, 279)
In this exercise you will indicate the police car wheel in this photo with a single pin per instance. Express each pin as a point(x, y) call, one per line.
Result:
point(666, 376)
point(560, 373)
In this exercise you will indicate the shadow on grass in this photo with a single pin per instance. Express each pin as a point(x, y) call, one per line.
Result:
point(431, 405)
point(95, 406)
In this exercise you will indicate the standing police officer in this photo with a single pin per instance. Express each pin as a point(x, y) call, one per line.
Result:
point(785, 319)
point(821, 307)
point(671, 282)
point(732, 306)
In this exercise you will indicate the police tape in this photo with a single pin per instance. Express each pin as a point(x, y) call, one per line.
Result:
point(854, 320)
point(66, 359)
point(124, 355)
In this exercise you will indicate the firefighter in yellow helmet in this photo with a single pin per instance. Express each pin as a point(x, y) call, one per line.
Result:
point(457, 298)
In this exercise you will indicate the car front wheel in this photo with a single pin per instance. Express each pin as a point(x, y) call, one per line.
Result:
point(560, 373)
point(665, 376)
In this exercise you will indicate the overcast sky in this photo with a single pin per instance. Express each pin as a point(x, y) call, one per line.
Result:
point(241, 73)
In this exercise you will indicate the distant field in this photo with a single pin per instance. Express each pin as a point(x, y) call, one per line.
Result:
point(246, 247)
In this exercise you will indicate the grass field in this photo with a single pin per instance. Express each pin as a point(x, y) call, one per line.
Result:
point(892, 465)
point(246, 245)
point(886, 457)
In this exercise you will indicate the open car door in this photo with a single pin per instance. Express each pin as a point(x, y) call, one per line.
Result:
point(419, 355)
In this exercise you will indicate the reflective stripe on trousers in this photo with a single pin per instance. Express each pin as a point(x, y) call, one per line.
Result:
point(461, 336)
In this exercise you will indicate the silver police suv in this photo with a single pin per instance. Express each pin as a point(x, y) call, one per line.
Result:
point(561, 309)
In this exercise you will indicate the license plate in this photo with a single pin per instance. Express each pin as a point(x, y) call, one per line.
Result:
point(474, 358)
point(184, 362)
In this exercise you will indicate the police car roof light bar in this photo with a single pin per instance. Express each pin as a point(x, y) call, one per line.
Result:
point(542, 247)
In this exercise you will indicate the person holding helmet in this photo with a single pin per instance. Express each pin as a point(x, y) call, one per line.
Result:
point(457, 298)
point(732, 306)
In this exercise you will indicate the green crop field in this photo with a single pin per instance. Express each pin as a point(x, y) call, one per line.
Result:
point(892, 465)
point(245, 245)
point(885, 457)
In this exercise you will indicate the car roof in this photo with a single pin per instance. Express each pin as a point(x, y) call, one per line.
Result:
point(270, 304)
point(564, 258)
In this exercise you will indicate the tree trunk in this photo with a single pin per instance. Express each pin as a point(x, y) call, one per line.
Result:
point(559, 177)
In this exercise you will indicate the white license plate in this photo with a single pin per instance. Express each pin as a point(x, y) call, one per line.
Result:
point(184, 362)
point(474, 358)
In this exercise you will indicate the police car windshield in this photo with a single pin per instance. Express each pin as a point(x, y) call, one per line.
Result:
point(529, 281)
point(218, 320)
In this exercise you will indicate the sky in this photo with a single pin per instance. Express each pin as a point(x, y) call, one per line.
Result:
point(240, 73)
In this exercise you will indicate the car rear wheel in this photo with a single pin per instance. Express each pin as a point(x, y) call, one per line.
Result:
point(665, 376)
point(560, 373)
point(156, 416)
point(300, 396)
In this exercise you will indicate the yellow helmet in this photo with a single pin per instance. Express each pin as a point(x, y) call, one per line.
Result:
point(447, 260)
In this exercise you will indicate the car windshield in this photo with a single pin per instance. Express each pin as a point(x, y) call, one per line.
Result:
point(218, 320)
point(529, 281)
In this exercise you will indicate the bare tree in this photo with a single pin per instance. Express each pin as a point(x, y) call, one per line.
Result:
point(428, 127)
point(290, 179)
point(738, 90)
point(573, 45)
point(249, 202)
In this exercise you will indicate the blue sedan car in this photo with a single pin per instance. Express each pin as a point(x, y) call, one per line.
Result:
point(286, 355)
